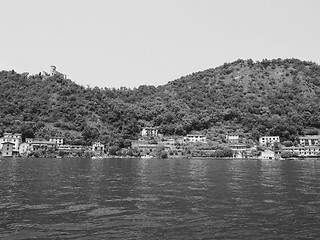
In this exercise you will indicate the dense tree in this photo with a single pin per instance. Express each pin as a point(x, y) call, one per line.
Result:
point(278, 97)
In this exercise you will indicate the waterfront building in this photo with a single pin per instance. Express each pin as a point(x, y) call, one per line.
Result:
point(309, 140)
point(149, 132)
point(7, 149)
point(268, 140)
point(267, 154)
point(13, 138)
point(42, 145)
point(77, 147)
point(145, 147)
point(195, 138)
point(31, 140)
point(303, 151)
point(173, 142)
point(64, 147)
point(24, 148)
point(239, 150)
point(71, 147)
point(97, 147)
point(151, 147)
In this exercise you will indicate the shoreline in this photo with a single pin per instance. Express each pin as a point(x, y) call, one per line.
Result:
point(169, 158)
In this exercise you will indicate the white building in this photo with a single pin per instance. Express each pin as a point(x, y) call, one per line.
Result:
point(31, 140)
point(268, 140)
point(57, 140)
point(232, 138)
point(64, 147)
point(309, 140)
point(267, 154)
point(149, 132)
point(97, 147)
point(303, 151)
point(195, 138)
point(24, 148)
point(238, 150)
point(41, 145)
point(7, 149)
point(13, 138)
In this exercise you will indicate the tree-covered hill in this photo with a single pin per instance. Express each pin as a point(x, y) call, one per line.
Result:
point(276, 97)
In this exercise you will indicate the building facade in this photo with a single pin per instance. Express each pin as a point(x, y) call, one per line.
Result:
point(97, 147)
point(309, 140)
point(239, 150)
point(195, 138)
point(149, 132)
point(303, 151)
point(267, 154)
point(232, 138)
point(15, 138)
point(71, 147)
point(24, 148)
point(7, 149)
point(57, 140)
point(31, 140)
point(268, 140)
point(42, 145)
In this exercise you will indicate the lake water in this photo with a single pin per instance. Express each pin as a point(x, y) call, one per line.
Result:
point(159, 199)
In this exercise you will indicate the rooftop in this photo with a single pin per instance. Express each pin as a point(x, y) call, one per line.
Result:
point(310, 137)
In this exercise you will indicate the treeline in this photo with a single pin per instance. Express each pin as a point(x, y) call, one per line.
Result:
point(276, 97)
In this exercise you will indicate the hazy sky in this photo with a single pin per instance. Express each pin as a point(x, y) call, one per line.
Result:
point(113, 43)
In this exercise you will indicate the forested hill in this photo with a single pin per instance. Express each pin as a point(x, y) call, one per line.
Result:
point(276, 97)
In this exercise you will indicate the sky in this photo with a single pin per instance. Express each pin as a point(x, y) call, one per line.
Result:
point(114, 43)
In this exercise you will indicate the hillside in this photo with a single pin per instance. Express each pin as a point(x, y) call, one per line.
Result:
point(276, 97)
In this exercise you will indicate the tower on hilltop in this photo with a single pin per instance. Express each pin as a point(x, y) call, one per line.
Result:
point(52, 70)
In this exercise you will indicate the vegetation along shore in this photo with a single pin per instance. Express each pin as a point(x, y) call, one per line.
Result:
point(195, 115)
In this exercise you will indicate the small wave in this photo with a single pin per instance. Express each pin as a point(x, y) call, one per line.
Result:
point(104, 212)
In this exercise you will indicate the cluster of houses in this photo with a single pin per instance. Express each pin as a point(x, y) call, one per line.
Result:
point(308, 147)
point(145, 145)
point(271, 147)
point(11, 145)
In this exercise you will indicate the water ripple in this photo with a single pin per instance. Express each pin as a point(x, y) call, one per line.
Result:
point(159, 199)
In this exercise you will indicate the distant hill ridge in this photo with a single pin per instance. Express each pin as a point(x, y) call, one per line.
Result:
point(271, 97)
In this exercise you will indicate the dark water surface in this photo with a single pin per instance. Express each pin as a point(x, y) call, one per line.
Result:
point(159, 199)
